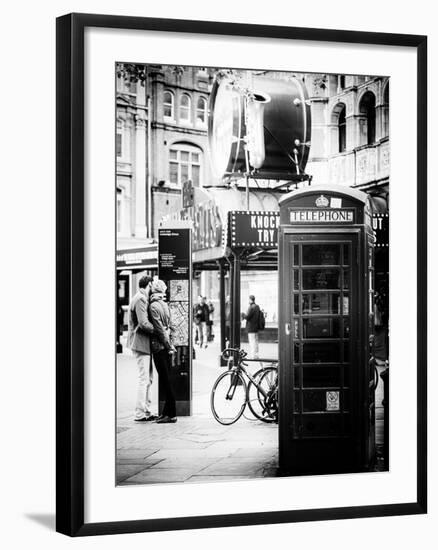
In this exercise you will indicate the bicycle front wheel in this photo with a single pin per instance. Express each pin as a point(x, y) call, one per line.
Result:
point(228, 397)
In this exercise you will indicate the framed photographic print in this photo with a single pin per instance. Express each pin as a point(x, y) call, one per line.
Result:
point(241, 258)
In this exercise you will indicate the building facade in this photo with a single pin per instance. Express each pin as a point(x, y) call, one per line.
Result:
point(162, 142)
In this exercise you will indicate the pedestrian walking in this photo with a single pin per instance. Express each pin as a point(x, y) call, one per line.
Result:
point(140, 330)
point(227, 322)
point(200, 316)
point(162, 347)
point(253, 322)
point(210, 334)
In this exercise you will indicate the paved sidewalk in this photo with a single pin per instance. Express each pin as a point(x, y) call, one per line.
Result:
point(196, 448)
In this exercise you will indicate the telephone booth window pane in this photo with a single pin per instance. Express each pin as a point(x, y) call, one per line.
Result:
point(345, 305)
point(346, 377)
point(321, 303)
point(314, 401)
point(321, 377)
point(346, 284)
point(296, 258)
point(315, 279)
point(297, 402)
point(296, 353)
point(321, 254)
point(346, 352)
point(321, 352)
point(319, 425)
point(295, 275)
point(296, 329)
point(321, 328)
point(346, 253)
point(346, 328)
point(296, 304)
point(296, 377)
point(346, 400)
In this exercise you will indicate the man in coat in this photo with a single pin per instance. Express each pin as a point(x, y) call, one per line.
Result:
point(252, 326)
point(140, 330)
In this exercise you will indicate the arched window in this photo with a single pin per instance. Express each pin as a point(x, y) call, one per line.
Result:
point(185, 163)
point(367, 108)
point(168, 105)
point(201, 111)
point(342, 131)
point(184, 108)
point(385, 111)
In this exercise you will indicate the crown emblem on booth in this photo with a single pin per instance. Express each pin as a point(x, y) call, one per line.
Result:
point(322, 201)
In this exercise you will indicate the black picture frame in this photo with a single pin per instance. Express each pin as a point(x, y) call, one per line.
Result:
point(70, 273)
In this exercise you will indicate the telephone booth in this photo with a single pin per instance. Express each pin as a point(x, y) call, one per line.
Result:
point(326, 313)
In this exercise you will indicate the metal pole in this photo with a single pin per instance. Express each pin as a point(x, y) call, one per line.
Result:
point(247, 190)
point(235, 327)
point(222, 303)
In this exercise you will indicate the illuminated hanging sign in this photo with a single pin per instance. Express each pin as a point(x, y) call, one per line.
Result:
point(258, 229)
point(207, 224)
point(322, 215)
point(145, 257)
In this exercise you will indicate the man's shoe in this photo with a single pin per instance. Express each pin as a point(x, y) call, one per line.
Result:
point(149, 418)
point(166, 420)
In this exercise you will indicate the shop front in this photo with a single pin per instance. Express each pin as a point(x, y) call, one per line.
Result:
point(131, 264)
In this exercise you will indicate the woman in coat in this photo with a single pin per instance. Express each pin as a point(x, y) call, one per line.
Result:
point(162, 347)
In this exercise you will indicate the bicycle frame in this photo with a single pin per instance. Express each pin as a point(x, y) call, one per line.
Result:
point(241, 368)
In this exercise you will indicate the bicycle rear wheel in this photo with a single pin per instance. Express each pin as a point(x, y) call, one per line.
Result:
point(228, 397)
point(263, 404)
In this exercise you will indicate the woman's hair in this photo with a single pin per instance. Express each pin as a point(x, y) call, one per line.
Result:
point(158, 286)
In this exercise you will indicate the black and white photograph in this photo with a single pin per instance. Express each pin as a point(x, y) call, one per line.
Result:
point(252, 273)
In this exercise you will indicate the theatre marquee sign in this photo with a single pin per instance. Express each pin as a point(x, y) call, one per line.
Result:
point(258, 229)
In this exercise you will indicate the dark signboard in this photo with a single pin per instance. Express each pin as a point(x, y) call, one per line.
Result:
point(173, 253)
point(175, 269)
point(381, 229)
point(254, 228)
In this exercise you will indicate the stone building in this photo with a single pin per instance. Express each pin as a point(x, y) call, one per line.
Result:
point(161, 142)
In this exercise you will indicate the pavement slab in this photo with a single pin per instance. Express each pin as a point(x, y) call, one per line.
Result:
point(125, 471)
point(150, 475)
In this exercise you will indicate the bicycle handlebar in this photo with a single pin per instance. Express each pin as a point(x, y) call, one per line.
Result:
point(228, 351)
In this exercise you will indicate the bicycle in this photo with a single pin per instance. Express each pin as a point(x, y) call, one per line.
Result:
point(231, 393)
